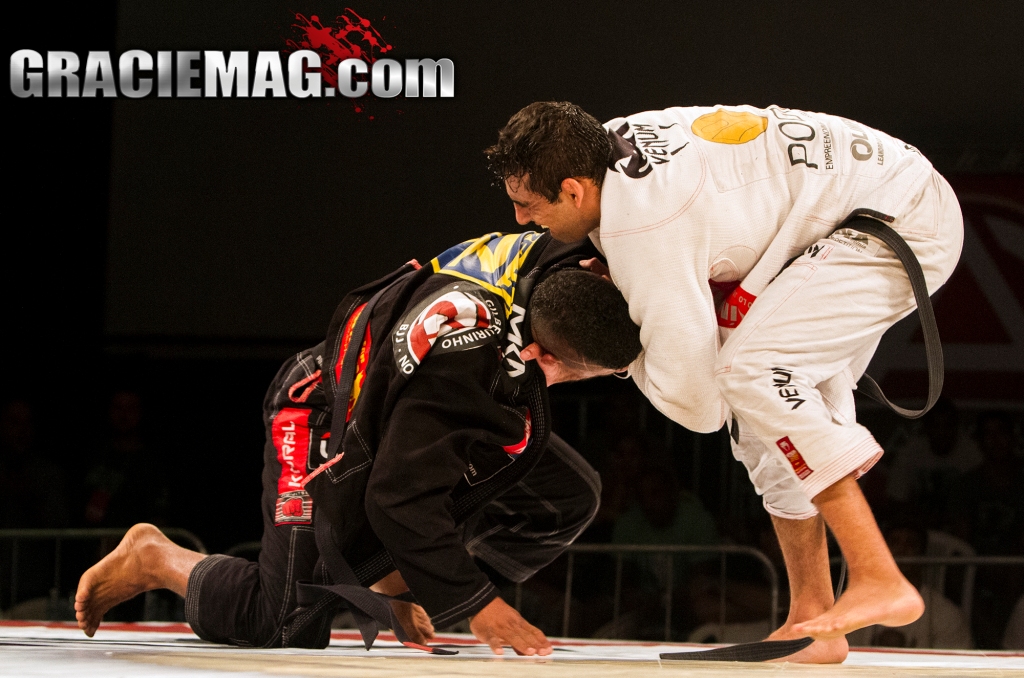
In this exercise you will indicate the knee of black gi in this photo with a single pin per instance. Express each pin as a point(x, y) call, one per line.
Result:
point(579, 494)
point(222, 603)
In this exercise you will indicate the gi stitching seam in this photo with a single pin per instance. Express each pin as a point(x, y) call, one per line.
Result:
point(359, 437)
point(194, 589)
point(289, 573)
point(452, 612)
point(514, 570)
point(346, 474)
point(483, 535)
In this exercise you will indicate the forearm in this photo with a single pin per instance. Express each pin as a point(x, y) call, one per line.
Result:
point(391, 585)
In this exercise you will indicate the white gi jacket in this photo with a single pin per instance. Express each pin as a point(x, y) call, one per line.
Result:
point(726, 194)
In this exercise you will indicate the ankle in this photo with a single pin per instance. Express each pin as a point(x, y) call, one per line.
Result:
point(805, 613)
point(804, 607)
point(882, 578)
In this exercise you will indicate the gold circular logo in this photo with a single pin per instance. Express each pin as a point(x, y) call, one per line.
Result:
point(729, 127)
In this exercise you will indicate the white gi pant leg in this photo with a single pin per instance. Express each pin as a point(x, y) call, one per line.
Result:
point(789, 369)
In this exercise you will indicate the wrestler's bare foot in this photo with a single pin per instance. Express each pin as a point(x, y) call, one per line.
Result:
point(144, 560)
point(832, 651)
point(889, 602)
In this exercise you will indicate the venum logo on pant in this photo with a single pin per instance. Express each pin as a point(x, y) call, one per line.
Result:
point(796, 460)
point(781, 378)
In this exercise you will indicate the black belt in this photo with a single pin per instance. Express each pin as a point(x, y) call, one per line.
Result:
point(368, 608)
point(350, 361)
point(867, 222)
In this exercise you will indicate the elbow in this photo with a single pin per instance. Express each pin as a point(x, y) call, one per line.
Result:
point(703, 413)
point(376, 511)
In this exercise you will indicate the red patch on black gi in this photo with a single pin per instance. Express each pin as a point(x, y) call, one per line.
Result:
point(290, 435)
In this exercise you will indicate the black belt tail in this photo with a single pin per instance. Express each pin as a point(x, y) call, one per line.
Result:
point(870, 222)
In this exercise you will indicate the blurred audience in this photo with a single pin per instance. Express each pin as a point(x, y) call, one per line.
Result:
point(664, 513)
point(924, 472)
point(987, 506)
point(988, 512)
point(32, 485)
point(939, 479)
point(660, 512)
point(125, 481)
point(620, 484)
point(32, 495)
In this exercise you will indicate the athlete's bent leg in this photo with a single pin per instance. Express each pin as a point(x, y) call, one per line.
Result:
point(801, 534)
point(533, 522)
point(789, 369)
point(878, 591)
point(810, 587)
point(238, 602)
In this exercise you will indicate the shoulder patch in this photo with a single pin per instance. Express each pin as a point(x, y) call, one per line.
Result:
point(458, 317)
point(637, 147)
point(491, 261)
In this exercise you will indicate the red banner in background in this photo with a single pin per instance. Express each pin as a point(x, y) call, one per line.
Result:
point(980, 310)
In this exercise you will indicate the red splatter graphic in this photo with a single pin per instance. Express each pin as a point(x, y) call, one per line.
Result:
point(351, 37)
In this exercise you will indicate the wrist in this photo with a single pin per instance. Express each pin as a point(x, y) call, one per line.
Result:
point(391, 585)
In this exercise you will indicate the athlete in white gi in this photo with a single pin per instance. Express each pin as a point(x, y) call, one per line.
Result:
point(730, 194)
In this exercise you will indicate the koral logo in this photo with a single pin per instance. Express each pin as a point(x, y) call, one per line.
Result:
point(290, 435)
point(292, 508)
point(781, 378)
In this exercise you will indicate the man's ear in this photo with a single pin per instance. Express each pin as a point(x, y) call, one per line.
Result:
point(544, 357)
point(575, 190)
point(536, 352)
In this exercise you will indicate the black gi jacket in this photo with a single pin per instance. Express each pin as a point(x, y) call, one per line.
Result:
point(439, 428)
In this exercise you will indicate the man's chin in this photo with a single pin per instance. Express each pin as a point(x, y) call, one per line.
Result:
point(564, 235)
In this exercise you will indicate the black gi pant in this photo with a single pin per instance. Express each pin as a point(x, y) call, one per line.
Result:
point(239, 602)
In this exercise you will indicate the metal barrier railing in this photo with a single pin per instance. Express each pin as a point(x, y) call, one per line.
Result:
point(620, 550)
point(58, 536)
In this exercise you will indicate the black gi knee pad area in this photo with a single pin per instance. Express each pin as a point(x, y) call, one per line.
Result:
point(222, 603)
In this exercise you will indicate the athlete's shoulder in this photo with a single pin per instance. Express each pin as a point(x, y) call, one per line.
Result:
point(449, 315)
point(653, 173)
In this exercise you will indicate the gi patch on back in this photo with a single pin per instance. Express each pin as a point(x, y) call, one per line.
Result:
point(458, 317)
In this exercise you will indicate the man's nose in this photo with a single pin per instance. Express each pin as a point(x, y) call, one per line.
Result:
point(522, 216)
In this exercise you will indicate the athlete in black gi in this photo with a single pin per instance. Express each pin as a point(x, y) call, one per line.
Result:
point(446, 455)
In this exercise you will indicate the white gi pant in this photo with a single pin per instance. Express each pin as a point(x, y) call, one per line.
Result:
point(789, 369)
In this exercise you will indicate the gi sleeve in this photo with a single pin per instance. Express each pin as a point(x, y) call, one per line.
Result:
point(673, 305)
point(444, 416)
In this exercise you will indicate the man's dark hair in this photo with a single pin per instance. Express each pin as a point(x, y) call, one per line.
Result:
point(579, 311)
point(550, 141)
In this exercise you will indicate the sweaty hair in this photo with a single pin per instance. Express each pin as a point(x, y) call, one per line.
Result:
point(550, 141)
point(586, 314)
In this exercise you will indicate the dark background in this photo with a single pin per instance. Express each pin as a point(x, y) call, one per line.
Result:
point(183, 248)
